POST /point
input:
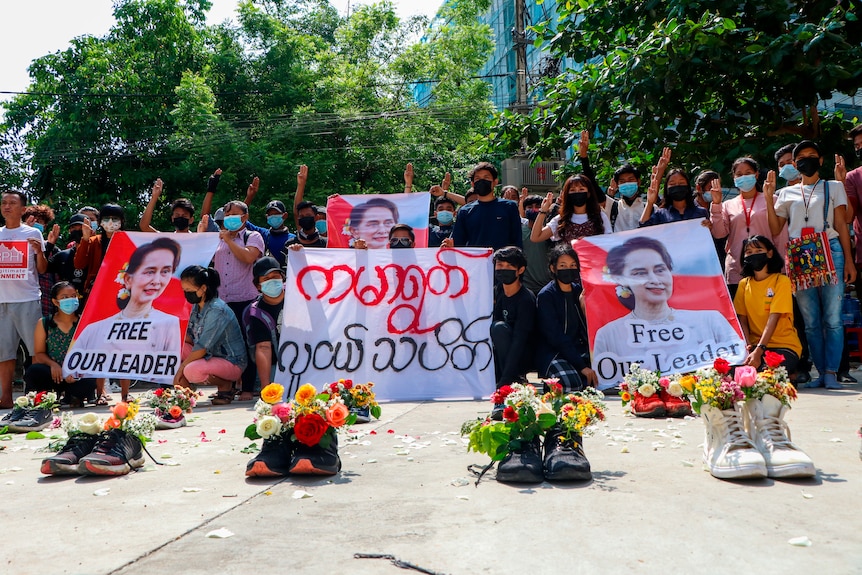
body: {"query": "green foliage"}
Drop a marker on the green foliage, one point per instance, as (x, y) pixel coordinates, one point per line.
(251, 432)
(713, 79)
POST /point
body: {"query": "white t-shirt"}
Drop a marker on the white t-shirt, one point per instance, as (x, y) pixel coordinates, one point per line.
(577, 219)
(628, 216)
(790, 205)
(18, 290)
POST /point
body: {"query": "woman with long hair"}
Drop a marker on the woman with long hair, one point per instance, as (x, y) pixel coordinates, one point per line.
(580, 215)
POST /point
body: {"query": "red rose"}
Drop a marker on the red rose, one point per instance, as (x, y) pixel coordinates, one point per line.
(159, 392)
(309, 429)
(39, 398)
(510, 415)
(496, 398)
(348, 383)
(773, 359)
(505, 390)
(721, 366)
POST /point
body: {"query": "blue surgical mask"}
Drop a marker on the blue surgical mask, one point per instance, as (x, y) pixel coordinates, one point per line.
(789, 172)
(321, 227)
(707, 197)
(38, 226)
(69, 305)
(745, 183)
(628, 189)
(445, 218)
(275, 221)
(94, 225)
(232, 223)
(272, 288)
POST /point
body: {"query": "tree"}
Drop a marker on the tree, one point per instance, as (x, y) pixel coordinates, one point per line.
(712, 79)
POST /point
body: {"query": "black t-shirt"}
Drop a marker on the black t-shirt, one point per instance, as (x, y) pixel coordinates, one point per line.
(258, 332)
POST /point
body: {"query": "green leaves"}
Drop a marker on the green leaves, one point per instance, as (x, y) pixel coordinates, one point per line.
(251, 432)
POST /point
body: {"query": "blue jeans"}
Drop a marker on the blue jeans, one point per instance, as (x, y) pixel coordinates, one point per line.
(821, 309)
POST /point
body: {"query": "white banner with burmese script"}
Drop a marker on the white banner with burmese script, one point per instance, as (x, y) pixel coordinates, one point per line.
(134, 322)
(656, 296)
(415, 322)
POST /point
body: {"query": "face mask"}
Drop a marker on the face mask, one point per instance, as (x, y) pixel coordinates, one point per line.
(756, 261)
(445, 218)
(396, 243)
(745, 183)
(788, 172)
(678, 193)
(76, 236)
(569, 276)
(579, 199)
(306, 222)
(531, 214)
(628, 189)
(321, 226)
(275, 221)
(483, 187)
(192, 297)
(859, 154)
(181, 223)
(232, 223)
(110, 225)
(506, 277)
(68, 305)
(272, 288)
(38, 226)
(707, 197)
(94, 226)
(808, 166)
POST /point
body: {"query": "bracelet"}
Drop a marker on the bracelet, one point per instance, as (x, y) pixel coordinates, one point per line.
(541, 212)
(446, 194)
(761, 346)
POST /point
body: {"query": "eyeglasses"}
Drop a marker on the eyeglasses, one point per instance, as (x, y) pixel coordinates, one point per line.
(399, 243)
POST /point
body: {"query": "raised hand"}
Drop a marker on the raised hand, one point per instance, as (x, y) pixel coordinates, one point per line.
(54, 234)
(302, 176)
(840, 168)
(654, 182)
(715, 191)
(613, 188)
(524, 193)
(584, 144)
(157, 188)
(447, 181)
(86, 229)
(408, 176)
(204, 223)
(547, 202)
(768, 186)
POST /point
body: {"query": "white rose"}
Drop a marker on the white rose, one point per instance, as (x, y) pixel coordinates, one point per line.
(675, 389)
(646, 390)
(51, 396)
(544, 408)
(268, 425)
(23, 401)
(89, 423)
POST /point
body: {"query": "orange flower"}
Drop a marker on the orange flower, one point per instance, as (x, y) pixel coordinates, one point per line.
(336, 414)
(112, 423)
(120, 410)
(626, 396)
(305, 394)
(176, 411)
(272, 393)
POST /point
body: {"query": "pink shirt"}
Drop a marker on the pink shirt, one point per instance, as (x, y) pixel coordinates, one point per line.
(853, 187)
(729, 220)
(236, 277)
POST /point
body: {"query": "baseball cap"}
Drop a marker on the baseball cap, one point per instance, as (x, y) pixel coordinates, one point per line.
(275, 205)
(264, 266)
(76, 219)
(219, 215)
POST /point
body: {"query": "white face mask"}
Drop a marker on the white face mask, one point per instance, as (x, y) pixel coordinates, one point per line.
(110, 225)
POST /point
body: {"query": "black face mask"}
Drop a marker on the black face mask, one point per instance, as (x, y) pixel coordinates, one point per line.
(483, 187)
(181, 223)
(568, 276)
(859, 154)
(506, 277)
(756, 261)
(531, 214)
(678, 193)
(579, 199)
(76, 236)
(808, 166)
(306, 222)
(192, 297)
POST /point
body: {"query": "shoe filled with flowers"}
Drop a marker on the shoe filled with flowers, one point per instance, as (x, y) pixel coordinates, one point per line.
(577, 414)
(649, 394)
(299, 435)
(32, 411)
(170, 404)
(358, 398)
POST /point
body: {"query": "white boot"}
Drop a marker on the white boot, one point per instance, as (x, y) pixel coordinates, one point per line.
(728, 452)
(767, 428)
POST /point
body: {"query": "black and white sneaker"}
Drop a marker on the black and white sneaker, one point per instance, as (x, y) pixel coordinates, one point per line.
(67, 460)
(13, 416)
(34, 419)
(273, 459)
(116, 453)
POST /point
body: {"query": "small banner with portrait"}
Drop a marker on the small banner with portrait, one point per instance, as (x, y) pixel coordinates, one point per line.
(370, 217)
(656, 296)
(415, 322)
(135, 319)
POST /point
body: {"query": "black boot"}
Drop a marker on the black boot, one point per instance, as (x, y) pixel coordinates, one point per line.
(564, 458)
(522, 466)
(273, 459)
(316, 460)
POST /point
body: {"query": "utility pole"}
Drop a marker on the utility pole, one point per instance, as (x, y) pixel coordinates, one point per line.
(519, 39)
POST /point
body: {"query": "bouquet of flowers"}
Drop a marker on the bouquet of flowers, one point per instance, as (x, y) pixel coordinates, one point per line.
(171, 404)
(712, 386)
(128, 417)
(310, 418)
(357, 397)
(577, 412)
(648, 383)
(526, 416)
(38, 400)
(771, 381)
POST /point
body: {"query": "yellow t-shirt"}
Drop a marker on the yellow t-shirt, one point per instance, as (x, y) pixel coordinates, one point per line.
(757, 299)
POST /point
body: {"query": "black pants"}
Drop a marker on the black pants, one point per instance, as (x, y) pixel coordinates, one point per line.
(501, 337)
(38, 378)
(250, 374)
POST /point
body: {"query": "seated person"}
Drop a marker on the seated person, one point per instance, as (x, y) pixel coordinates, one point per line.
(262, 318)
(536, 277)
(401, 236)
(563, 350)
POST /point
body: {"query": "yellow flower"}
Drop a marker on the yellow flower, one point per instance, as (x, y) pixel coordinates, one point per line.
(687, 383)
(305, 394)
(272, 393)
(133, 410)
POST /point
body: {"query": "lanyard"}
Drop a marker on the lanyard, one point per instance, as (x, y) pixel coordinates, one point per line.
(747, 213)
(807, 202)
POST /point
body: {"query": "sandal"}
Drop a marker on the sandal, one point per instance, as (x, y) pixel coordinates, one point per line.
(223, 398)
(102, 400)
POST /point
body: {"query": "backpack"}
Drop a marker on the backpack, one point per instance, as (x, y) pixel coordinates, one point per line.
(253, 310)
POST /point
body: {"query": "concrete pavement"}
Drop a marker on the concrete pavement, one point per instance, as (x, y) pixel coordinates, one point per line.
(405, 491)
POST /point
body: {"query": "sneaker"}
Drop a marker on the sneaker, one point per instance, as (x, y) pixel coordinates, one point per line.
(497, 411)
(66, 461)
(845, 377)
(13, 416)
(168, 423)
(728, 452)
(565, 459)
(801, 377)
(274, 458)
(116, 453)
(34, 419)
(675, 406)
(651, 406)
(315, 460)
(766, 426)
(522, 466)
(114, 388)
(363, 414)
